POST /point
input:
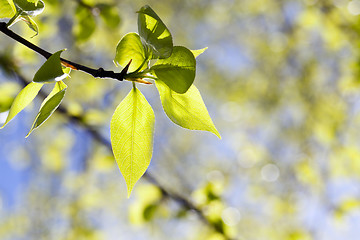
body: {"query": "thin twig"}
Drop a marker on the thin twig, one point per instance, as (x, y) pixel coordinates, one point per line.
(97, 73)
(96, 135)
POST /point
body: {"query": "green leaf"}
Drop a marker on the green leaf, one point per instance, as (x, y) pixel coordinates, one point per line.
(51, 70)
(49, 105)
(156, 36)
(132, 129)
(7, 9)
(177, 71)
(85, 24)
(130, 47)
(186, 110)
(23, 99)
(29, 7)
(198, 52)
(109, 15)
(31, 24)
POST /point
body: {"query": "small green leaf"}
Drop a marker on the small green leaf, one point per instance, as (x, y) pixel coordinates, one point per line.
(186, 110)
(51, 70)
(29, 7)
(130, 47)
(132, 129)
(85, 25)
(198, 52)
(31, 24)
(177, 71)
(7, 9)
(23, 99)
(109, 15)
(156, 36)
(49, 105)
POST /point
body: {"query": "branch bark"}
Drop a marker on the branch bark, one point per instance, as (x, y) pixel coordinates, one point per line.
(97, 73)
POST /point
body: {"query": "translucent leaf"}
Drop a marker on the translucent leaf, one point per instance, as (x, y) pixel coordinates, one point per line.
(23, 99)
(31, 24)
(130, 48)
(51, 70)
(156, 36)
(49, 105)
(8, 91)
(132, 129)
(29, 7)
(177, 71)
(198, 52)
(7, 9)
(186, 110)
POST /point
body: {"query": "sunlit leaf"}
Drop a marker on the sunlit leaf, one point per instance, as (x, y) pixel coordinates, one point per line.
(177, 71)
(31, 24)
(29, 7)
(51, 70)
(198, 52)
(49, 105)
(8, 91)
(186, 110)
(132, 128)
(156, 36)
(6, 9)
(130, 48)
(23, 99)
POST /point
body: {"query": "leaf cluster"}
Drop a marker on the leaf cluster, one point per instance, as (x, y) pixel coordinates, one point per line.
(132, 125)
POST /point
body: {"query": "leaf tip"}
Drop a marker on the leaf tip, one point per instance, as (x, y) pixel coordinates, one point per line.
(28, 134)
(218, 135)
(129, 193)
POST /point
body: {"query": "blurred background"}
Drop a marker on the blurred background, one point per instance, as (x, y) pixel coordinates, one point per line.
(281, 82)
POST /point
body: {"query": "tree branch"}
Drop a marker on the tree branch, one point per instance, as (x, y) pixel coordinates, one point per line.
(97, 73)
(79, 120)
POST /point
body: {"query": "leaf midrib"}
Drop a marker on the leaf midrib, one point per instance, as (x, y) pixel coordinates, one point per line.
(133, 123)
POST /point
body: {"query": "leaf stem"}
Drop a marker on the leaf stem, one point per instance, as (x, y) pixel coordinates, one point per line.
(14, 18)
(97, 73)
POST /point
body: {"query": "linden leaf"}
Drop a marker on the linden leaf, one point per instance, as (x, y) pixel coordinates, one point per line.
(23, 99)
(156, 36)
(132, 130)
(130, 48)
(49, 105)
(186, 110)
(177, 71)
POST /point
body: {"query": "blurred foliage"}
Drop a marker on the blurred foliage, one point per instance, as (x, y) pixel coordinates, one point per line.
(281, 81)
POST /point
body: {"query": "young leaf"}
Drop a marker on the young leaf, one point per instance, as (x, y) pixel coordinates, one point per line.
(198, 52)
(31, 24)
(51, 70)
(49, 105)
(156, 35)
(177, 71)
(29, 7)
(132, 129)
(6, 10)
(130, 48)
(23, 99)
(186, 110)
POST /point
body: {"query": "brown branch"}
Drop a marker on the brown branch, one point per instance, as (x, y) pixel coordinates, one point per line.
(96, 135)
(97, 73)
